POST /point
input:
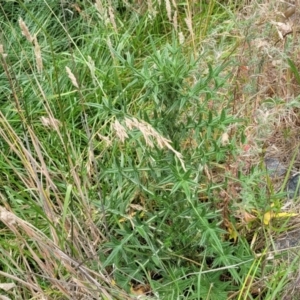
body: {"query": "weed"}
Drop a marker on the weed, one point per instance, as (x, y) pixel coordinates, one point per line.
(124, 153)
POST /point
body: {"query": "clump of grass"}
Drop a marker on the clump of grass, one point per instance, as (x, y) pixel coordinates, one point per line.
(121, 155)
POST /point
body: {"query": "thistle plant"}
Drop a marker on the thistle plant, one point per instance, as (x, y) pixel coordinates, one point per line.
(118, 139)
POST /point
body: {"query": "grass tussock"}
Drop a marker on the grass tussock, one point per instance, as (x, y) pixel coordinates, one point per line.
(133, 141)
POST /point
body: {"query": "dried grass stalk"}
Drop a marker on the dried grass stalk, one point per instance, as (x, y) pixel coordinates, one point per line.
(169, 10)
(175, 22)
(55, 256)
(51, 122)
(112, 16)
(25, 30)
(99, 7)
(2, 51)
(120, 131)
(151, 10)
(149, 133)
(181, 38)
(38, 55)
(72, 77)
(188, 22)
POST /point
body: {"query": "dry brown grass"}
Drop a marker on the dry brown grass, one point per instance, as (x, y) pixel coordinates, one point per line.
(52, 257)
(269, 39)
(267, 94)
